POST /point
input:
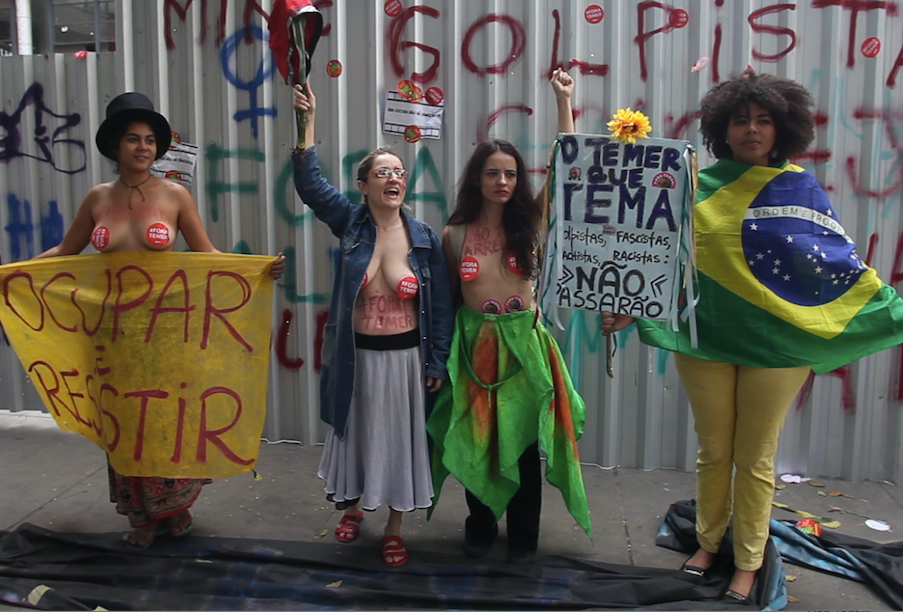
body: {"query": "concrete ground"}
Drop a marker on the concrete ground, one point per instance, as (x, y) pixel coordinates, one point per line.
(58, 481)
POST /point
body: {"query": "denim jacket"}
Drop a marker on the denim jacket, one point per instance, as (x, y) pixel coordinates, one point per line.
(356, 231)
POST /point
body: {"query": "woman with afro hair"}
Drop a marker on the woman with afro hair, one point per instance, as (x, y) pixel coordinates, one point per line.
(773, 261)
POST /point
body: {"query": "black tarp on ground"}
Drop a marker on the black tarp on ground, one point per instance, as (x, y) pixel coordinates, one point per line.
(88, 570)
(878, 565)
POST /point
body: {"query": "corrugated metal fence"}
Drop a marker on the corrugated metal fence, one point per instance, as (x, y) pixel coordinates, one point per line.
(208, 69)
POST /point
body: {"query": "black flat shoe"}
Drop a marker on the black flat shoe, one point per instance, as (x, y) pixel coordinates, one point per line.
(693, 570)
(734, 596)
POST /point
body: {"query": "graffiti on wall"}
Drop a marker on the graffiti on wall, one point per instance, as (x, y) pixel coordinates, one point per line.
(21, 230)
(51, 140)
(410, 54)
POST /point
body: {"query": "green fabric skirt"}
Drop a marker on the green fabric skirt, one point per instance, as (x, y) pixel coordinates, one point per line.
(509, 388)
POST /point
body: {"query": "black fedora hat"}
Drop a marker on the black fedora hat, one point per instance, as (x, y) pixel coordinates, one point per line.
(124, 109)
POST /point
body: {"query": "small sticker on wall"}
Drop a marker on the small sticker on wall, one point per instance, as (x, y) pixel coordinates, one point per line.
(334, 68)
(679, 18)
(594, 13)
(408, 89)
(434, 96)
(392, 8)
(412, 133)
(871, 46)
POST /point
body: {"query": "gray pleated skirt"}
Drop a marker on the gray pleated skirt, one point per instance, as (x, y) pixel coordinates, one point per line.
(383, 458)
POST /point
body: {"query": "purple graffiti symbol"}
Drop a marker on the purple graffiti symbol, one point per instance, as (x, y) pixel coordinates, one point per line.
(229, 55)
(11, 142)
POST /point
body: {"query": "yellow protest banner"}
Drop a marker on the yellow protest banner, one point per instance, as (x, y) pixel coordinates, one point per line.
(159, 358)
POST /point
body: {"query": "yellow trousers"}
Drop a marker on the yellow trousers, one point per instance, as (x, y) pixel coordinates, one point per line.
(739, 412)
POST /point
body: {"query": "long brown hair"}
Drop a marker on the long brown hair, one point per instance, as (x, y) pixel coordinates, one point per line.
(522, 213)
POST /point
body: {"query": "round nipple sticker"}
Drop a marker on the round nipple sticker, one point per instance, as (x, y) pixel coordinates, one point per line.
(158, 235)
(470, 267)
(513, 265)
(100, 238)
(366, 279)
(407, 288)
(492, 307)
(515, 303)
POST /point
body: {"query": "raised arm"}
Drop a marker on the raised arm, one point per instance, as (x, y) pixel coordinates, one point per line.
(327, 202)
(563, 85)
(306, 102)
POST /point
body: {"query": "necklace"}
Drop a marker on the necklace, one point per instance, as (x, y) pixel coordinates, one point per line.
(135, 186)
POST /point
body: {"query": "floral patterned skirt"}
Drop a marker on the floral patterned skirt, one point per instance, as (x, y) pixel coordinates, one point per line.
(149, 498)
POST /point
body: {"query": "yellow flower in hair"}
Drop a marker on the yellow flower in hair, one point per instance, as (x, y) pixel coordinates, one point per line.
(628, 125)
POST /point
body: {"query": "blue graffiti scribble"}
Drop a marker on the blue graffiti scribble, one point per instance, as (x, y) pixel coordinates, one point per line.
(51, 227)
(11, 142)
(264, 70)
(2, 331)
(21, 229)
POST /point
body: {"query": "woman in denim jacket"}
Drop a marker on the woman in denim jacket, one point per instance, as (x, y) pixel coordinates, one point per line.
(385, 343)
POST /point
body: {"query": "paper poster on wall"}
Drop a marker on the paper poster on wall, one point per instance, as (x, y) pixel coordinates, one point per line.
(177, 164)
(617, 217)
(412, 119)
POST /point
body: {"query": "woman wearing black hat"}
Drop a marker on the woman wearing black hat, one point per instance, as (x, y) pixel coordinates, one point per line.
(140, 212)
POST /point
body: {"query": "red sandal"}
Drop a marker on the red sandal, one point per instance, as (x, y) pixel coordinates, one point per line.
(394, 552)
(349, 527)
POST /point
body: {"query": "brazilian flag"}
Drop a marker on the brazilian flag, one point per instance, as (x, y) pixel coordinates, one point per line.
(779, 281)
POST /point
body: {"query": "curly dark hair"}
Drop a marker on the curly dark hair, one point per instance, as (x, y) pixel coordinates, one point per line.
(788, 102)
(522, 213)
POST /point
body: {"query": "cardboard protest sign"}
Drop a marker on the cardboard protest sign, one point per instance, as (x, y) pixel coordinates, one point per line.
(616, 223)
(159, 358)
